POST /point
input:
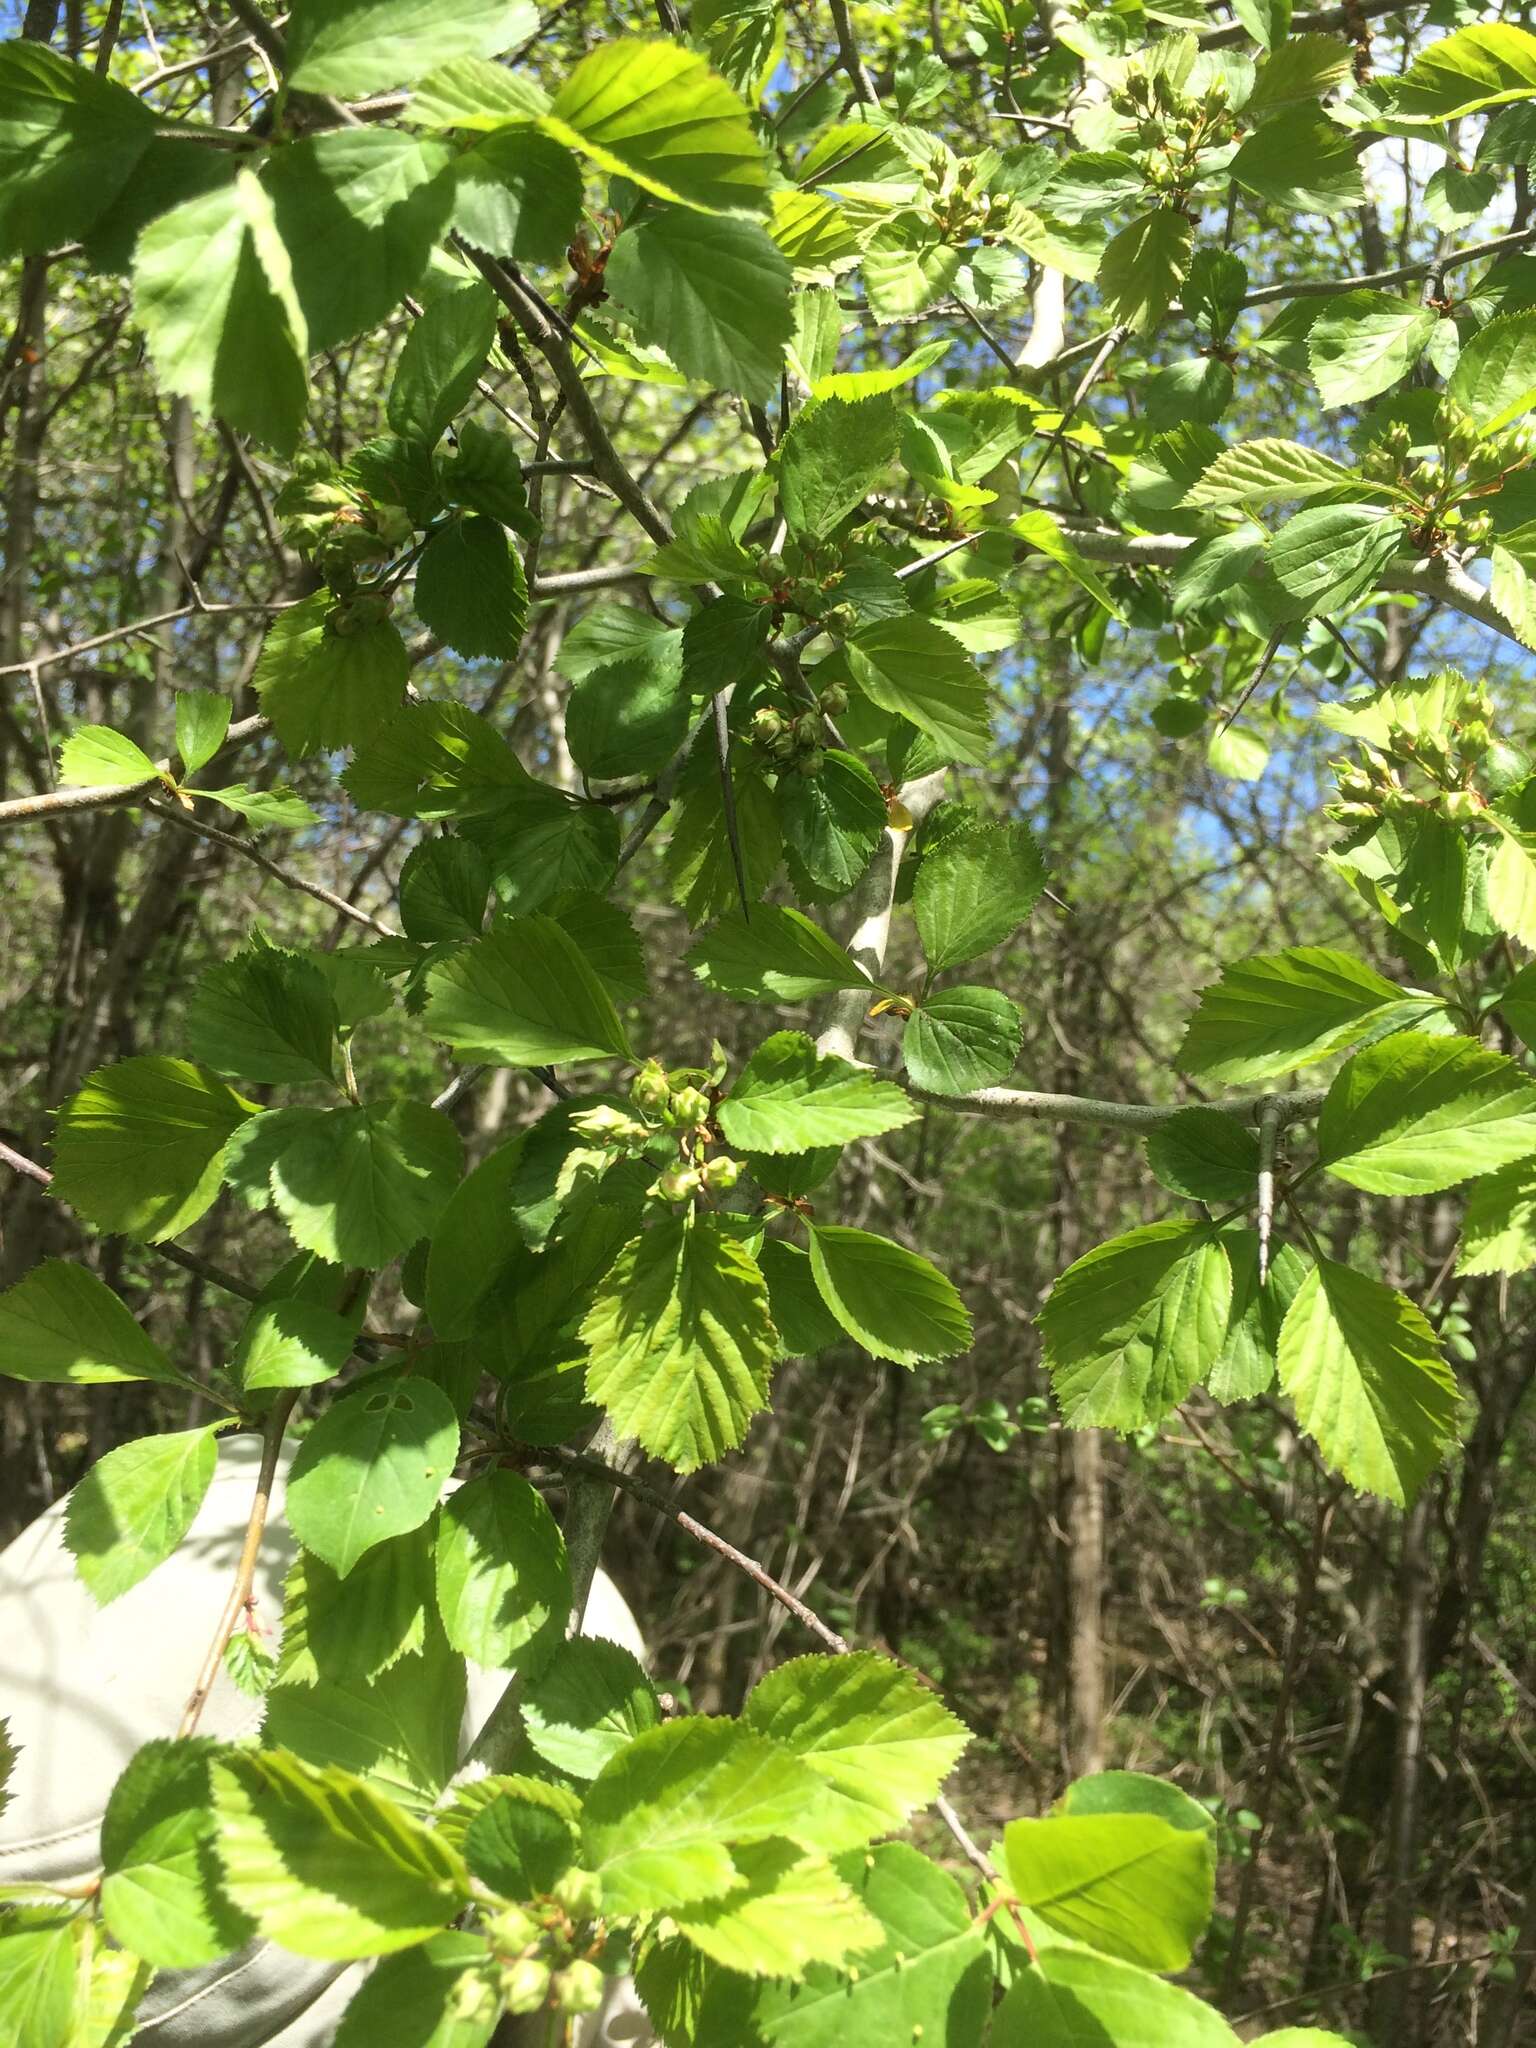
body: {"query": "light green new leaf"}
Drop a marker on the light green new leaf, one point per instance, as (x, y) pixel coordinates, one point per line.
(444, 1994)
(711, 290)
(681, 1344)
(324, 1865)
(356, 47)
(443, 356)
(1495, 374)
(1205, 1155)
(1413, 1114)
(134, 1506)
(1326, 557)
(471, 589)
(1075, 1998)
(787, 1098)
(832, 457)
(1282, 1010)
(1486, 65)
(476, 95)
(660, 1820)
(60, 1323)
(336, 1630)
(326, 680)
(213, 290)
(1305, 67)
(881, 1742)
(39, 1968)
(523, 996)
(1131, 1885)
(359, 210)
(790, 1910)
(1131, 1326)
(96, 757)
(1234, 751)
(975, 890)
(518, 194)
(160, 1890)
(1498, 1228)
(140, 1147)
(202, 720)
(657, 114)
(1300, 161)
(69, 143)
(1144, 266)
(371, 1468)
(779, 953)
(888, 1299)
(1365, 1376)
(962, 1039)
(586, 1705)
(1267, 21)
(1263, 472)
(291, 1344)
(503, 1586)
(264, 1016)
(1513, 589)
(908, 267)
(1364, 342)
(916, 670)
(360, 1186)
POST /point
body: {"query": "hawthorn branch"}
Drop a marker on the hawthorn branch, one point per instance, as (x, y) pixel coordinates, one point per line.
(103, 796)
(1029, 1105)
(289, 880)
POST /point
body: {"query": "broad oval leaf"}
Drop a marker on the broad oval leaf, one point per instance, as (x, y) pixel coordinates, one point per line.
(134, 1506)
(1129, 1884)
(1414, 1114)
(503, 1586)
(161, 1889)
(372, 1467)
(890, 1300)
(790, 1098)
(140, 1147)
(523, 996)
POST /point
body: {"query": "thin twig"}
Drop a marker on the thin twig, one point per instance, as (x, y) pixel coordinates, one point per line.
(289, 880)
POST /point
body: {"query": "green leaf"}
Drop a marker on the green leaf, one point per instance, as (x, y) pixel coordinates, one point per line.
(440, 364)
(475, 1241)
(160, 1890)
(1513, 589)
(484, 472)
(1262, 472)
(890, 1300)
(789, 1911)
(1482, 66)
(832, 457)
(800, 1316)
(518, 194)
(787, 1098)
(1144, 266)
(698, 855)
(523, 996)
(917, 671)
(661, 1819)
(1206, 1156)
(328, 678)
(356, 47)
(1305, 67)
(1267, 21)
(681, 1344)
(291, 1344)
(1300, 161)
(1131, 1885)
(587, 1705)
(1236, 752)
(711, 290)
(443, 889)
(1246, 1366)
(371, 1468)
(1282, 1010)
(779, 953)
(1364, 342)
(96, 757)
(503, 1586)
(1495, 375)
(476, 95)
(519, 1846)
(69, 143)
(975, 890)
(657, 114)
(133, 1507)
(1365, 1376)
(38, 1971)
(1074, 1998)
(443, 1994)
(336, 1630)
(140, 1147)
(325, 1866)
(1498, 1227)
(213, 290)
(359, 210)
(961, 1039)
(881, 1742)
(471, 589)
(626, 718)
(930, 1981)
(60, 1323)
(1131, 1326)
(832, 823)
(908, 268)
(277, 806)
(1326, 557)
(359, 1186)
(202, 720)
(1413, 1114)
(264, 1016)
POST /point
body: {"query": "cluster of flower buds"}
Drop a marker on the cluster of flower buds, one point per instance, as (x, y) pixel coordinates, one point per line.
(546, 1949)
(662, 1102)
(1448, 761)
(1167, 118)
(792, 739)
(803, 579)
(344, 532)
(960, 206)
